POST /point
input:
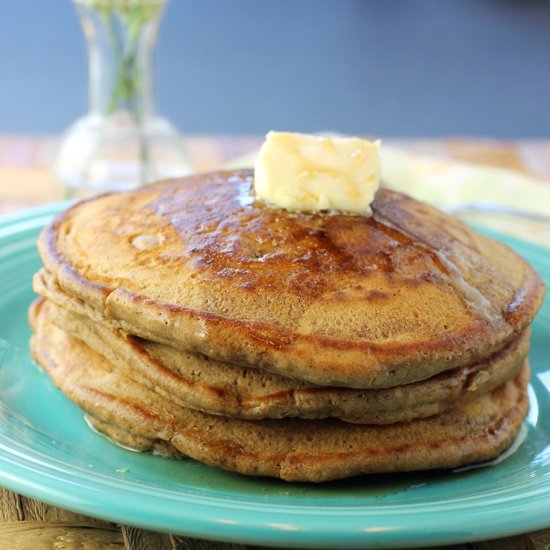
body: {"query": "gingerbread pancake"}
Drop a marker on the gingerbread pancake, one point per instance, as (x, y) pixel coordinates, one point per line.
(198, 382)
(292, 449)
(331, 299)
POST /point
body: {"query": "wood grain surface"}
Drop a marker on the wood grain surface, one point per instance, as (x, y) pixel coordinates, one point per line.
(27, 524)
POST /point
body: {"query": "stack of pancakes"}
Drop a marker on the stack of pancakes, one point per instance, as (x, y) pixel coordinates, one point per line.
(188, 318)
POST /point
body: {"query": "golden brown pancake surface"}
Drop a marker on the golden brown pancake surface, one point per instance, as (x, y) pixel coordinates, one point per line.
(331, 299)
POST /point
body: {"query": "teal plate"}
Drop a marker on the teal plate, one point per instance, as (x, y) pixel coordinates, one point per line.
(47, 452)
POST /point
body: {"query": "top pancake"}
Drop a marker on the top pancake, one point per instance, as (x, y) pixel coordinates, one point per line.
(333, 299)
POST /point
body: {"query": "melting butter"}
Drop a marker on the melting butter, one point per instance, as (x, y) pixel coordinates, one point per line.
(309, 172)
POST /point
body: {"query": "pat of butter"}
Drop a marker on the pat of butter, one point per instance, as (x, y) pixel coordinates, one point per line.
(307, 172)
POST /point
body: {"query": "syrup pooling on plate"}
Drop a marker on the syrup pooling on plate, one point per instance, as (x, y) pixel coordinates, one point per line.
(90, 425)
(512, 449)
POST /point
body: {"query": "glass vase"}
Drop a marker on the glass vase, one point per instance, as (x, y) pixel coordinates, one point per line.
(121, 143)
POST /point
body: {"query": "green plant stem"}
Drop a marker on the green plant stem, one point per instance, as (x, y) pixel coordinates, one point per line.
(128, 80)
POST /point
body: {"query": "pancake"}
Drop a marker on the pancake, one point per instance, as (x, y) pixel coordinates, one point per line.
(292, 449)
(331, 299)
(197, 382)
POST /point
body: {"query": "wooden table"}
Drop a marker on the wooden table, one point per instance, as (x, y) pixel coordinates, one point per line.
(24, 181)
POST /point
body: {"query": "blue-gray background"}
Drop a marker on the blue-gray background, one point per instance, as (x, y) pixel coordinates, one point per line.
(384, 67)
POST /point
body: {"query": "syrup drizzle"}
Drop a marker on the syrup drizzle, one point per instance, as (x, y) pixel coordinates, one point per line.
(230, 235)
(475, 300)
